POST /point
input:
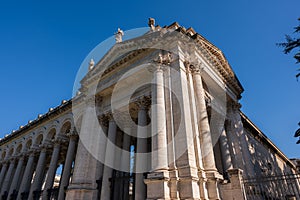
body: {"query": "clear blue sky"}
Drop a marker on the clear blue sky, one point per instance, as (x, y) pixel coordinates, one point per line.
(42, 45)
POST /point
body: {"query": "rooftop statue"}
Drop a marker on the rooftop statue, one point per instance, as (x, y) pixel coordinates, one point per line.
(119, 35)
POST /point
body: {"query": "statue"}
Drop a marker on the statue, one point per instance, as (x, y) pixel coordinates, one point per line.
(119, 35)
(91, 64)
(151, 23)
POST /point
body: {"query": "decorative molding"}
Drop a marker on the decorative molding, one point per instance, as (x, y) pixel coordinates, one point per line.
(164, 58)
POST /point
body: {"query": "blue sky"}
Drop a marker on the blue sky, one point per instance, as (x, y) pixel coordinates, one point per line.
(42, 45)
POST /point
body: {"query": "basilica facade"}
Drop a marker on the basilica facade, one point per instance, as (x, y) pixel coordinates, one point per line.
(157, 117)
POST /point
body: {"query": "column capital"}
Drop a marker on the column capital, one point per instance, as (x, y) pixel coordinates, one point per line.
(163, 58)
(30, 152)
(196, 68)
(72, 135)
(60, 139)
(4, 162)
(33, 150)
(20, 156)
(103, 119)
(44, 147)
(143, 102)
(109, 116)
(161, 62)
(12, 159)
(193, 67)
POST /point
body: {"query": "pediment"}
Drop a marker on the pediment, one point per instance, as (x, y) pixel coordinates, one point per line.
(159, 39)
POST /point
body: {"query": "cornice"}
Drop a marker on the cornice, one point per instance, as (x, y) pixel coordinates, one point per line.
(64, 107)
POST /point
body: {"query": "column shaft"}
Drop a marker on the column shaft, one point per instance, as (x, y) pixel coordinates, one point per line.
(197, 142)
(7, 180)
(67, 168)
(157, 180)
(205, 136)
(159, 135)
(39, 174)
(16, 178)
(109, 159)
(27, 176)
(207, 148)
(126, 162)
(226, 157)
(141, 161)
(51, 170)
(3, 172)
(241, 141)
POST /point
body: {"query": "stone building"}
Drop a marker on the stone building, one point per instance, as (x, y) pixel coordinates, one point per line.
(158, 117)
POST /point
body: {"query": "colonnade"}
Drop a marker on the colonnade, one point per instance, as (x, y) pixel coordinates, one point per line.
(30, 175)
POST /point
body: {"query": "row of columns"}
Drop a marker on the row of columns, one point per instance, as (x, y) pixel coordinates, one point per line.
(141, 146)
(104, 172)
(16, 178)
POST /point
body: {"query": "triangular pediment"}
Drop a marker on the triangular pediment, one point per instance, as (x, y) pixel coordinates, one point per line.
(159, 39)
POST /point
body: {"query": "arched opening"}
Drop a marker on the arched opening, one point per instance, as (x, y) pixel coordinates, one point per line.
(28, 145)
(39, 139)
(11, 151)
(66, 128)
(19, 149)
(51, 134)
(3, 155)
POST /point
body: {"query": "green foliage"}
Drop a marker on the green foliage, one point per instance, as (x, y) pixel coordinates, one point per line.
(293, 44)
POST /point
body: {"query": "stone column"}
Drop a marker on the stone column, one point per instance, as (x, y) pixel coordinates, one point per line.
(8, 176)
(39, 173)
(126, 161)
(27, 176)
(197, 143)
(109, 159)
(102, 151)
(68, 166)
(157, 180)
(141, 161)
(238, 139)
(52, 168)
(233, 143)
(3, 172)
(211, 172)
(16, 178)
(158, 117)
(225, 151)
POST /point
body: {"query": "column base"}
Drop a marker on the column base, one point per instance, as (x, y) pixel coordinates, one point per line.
(213, 178)
(157, 185)
(202, 185)
(173, 184)
(189, 188)
(235, 188)
(78, 192)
